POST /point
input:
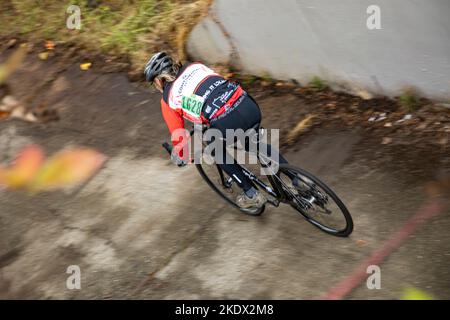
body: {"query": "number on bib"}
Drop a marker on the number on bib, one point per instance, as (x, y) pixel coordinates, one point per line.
(192, 105)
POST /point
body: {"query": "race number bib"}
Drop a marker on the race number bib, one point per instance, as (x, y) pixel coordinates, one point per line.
(192, 105)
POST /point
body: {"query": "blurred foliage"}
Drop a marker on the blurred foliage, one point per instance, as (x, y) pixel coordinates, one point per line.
(31, 171)
(318, 84)
(133, 28)
(410, 100)
(412, 293)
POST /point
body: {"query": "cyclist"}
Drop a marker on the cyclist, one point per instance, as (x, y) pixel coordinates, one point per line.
(223, 105)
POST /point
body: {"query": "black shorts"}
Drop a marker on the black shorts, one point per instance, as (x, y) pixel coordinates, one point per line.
(245, 116)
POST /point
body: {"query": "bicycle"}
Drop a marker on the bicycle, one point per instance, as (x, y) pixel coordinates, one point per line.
(311, 199)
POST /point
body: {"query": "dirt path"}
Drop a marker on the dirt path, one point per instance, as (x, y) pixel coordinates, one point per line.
(145, 229)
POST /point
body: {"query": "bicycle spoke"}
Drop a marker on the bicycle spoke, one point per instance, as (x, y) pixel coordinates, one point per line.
(316, 203)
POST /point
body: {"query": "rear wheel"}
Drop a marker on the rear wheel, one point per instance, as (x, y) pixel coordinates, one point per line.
(315, 201)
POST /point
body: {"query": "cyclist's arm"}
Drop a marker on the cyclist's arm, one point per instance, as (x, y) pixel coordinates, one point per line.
(174, 121)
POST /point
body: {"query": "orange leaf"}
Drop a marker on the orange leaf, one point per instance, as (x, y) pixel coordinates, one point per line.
(24, 168)
(4, 114)
(67, 168)
(49, 45)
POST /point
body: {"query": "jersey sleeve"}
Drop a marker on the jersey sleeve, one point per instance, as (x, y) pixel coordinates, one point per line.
(173, 119)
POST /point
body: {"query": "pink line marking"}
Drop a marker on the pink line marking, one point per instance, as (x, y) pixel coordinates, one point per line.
(426, 212)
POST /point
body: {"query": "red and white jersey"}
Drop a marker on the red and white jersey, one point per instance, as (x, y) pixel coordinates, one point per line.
(197, 94)
(186, 85)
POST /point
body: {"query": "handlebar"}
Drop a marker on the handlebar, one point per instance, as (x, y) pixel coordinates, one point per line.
(168, 147)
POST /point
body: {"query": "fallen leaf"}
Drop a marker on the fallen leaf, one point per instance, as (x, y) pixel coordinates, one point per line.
(43, 55)
(364, 94)
(388, 124)
(4, 115)
(386, 140)
(300, 127)
(407, 117)
(361, 243)
(85, 66)
(12, 63)
(11, 43)
(24, 168)
(8, 103)
(67, 168)
(22, 113)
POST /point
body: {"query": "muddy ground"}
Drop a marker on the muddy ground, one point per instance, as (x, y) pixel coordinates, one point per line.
(145, 229)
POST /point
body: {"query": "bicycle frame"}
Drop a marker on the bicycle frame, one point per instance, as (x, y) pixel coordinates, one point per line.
(279, 191)
(275, 189)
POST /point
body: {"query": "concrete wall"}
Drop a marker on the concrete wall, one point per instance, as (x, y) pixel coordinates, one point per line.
(299, 39)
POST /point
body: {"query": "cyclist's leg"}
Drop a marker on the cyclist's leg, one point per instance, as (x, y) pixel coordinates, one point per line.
(228, 164)
(244, 116)
(268, 151)
(251, 111)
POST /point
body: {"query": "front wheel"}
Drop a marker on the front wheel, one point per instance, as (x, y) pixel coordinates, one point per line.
(315, 201)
